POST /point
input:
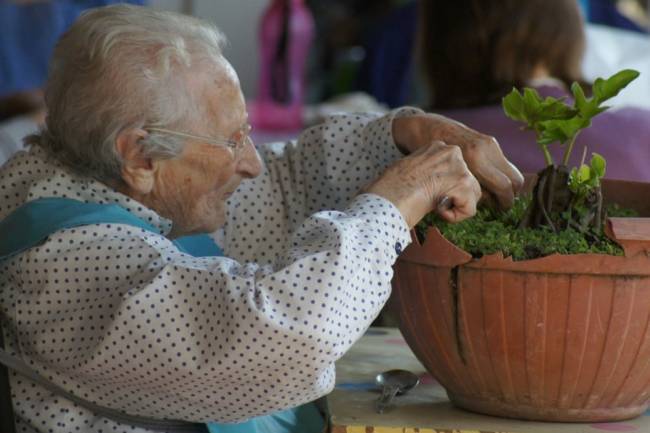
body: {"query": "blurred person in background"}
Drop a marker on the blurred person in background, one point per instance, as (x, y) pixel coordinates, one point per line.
(474, 52)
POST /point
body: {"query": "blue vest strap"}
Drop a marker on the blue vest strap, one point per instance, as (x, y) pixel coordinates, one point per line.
(30, 224)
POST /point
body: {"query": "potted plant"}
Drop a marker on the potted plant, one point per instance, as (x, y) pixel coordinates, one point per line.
(540, 316)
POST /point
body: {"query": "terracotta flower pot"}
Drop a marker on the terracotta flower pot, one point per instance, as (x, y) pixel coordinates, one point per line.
(560, 338)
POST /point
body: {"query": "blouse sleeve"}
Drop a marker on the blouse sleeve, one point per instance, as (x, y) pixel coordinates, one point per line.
(123, 319)
(323, 170)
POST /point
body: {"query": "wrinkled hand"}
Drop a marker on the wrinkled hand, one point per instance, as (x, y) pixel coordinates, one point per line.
(481, 152)
(434, 177)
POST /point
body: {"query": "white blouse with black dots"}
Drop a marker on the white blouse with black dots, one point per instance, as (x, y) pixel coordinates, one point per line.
(120, 317)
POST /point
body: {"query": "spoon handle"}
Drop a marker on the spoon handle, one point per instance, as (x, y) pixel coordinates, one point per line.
(387, 396)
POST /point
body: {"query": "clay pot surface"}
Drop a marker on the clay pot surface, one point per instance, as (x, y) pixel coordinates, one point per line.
(559, 338)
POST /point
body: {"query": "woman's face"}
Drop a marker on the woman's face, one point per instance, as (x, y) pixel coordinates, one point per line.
(192, 188)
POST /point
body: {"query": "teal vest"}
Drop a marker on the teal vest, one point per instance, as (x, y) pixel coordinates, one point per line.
(31, 224)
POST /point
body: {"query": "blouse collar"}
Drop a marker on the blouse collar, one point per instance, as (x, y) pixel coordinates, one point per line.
(58, 181)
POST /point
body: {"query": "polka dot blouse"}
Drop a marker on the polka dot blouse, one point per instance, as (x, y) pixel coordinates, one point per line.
(122, 318)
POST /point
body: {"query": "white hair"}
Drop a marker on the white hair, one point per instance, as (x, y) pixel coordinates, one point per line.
(122, 67)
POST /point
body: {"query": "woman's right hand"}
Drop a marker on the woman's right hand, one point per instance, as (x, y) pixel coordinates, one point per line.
(435, 177)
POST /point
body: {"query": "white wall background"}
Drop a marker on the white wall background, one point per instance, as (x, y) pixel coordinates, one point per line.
(609, 50)
(238, 19)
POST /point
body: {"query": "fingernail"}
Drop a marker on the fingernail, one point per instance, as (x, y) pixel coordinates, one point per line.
(444, 203)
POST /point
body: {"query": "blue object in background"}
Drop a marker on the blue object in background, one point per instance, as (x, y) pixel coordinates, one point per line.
(584, 5)
(386, 71)
(28, 33)
(605, 12)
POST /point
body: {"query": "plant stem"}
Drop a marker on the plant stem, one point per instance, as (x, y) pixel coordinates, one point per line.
(569, 149)
(547, 155)
(584, 156)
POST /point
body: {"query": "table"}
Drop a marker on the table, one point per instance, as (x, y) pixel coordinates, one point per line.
(426, 409)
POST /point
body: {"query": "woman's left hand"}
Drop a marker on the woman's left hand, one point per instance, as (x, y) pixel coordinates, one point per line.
(481, 153)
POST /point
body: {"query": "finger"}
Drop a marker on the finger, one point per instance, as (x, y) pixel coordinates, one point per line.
(495, 181)
(511, 171)
(463, 207)
(488, 199)
(504, 165)
(445, 203)
(460, 203)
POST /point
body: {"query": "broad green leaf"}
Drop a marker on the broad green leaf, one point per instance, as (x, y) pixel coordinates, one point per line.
(572, 126)
(584, 173)
(607, 89)
(561, 130)
(598, 165)
(532, 102)
(552, 108)
(552, 134)
(588, 108)
(579, 97)
(513, 105)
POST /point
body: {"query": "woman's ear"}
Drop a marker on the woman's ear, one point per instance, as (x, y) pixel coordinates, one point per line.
(137, 169)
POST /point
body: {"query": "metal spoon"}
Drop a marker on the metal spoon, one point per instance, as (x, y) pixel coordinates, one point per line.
(394, 382)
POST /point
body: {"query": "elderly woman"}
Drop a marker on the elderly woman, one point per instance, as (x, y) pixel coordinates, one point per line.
(116, 320)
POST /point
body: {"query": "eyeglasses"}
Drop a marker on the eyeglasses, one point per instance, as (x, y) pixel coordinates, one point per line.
(236, 143)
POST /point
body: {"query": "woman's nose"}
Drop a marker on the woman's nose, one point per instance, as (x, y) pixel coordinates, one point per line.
(250, 163)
